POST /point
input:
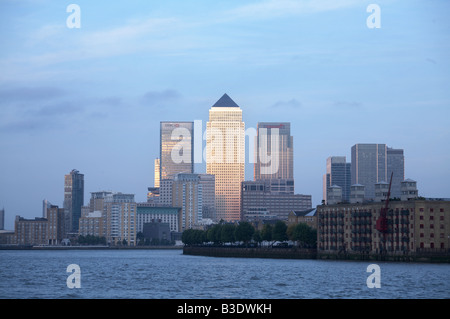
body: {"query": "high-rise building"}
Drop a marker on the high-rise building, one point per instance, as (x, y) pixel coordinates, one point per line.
(225, 156)
(120, 210)
(157, 173)
(395, 165)
(194, 193)
(374, 163)
(73, 199)
(176, 149)
(338, 173)
(274, 151)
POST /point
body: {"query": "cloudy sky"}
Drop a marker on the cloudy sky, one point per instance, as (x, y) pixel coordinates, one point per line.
(91, 98)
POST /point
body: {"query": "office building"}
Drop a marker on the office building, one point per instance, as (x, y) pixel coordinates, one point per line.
(225, 156)
(195, 194)
(73, 199)
(176, 149)
(148, 213)
(374, 163)
(271, 199)
(338, 173)
(157, 173)
(274, 151)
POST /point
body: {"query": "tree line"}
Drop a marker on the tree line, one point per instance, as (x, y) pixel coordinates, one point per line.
(244, 232)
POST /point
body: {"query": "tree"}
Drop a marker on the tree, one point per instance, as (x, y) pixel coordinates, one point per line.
(244, 232)
(227, 233)
(266, 232)
(305, 235)
(279, 231)
(214, 234)
(257, 236)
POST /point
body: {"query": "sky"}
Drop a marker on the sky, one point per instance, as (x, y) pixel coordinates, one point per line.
(91, 98)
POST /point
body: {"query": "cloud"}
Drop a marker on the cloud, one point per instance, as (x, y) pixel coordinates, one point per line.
(157, 97)
(30, 93)
(287, 104)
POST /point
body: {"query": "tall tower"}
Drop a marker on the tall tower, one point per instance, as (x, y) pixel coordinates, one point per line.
(73, 199)
(374, 163)
(157, 173)
(176, 149)
(225, 156)
(274, 151)
(338, 173)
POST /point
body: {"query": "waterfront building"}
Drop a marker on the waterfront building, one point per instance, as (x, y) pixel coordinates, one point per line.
(148, 213)
(414, 226)
(334, 195)
(338, 173)
(176, 149)
(225, 156)
(409, 189)
(55, 225)
(120, 211)
(304, 216)
(73, 199)
(2, 219)
(271, 199)
(274, 151)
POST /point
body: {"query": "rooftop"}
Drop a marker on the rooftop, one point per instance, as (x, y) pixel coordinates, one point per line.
(225, 101)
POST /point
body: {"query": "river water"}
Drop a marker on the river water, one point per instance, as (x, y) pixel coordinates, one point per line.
(168, 274)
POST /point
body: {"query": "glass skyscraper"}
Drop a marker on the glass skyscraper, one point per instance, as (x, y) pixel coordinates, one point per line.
(338, 173)
(73, 199)
(176, 149)
(274, 151)
(374, 163)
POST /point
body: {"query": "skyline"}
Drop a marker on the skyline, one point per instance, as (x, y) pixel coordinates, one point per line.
(92, 99)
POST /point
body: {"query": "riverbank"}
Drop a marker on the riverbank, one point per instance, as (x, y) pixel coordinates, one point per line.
(297, 253)
(84, 247)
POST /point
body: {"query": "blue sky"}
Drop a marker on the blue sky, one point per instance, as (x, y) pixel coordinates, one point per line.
(92, 98)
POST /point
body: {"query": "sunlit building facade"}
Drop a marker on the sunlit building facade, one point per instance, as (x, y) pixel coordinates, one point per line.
(225, 156)
(176, 149)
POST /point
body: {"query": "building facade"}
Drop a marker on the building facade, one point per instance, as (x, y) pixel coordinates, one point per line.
(73, 199)
(338, 173)
(225, 156)
(374, 163)
(271, 199)
(120, 211)
(176, 149)
(413, 226)
(274, 151)
(148, 214)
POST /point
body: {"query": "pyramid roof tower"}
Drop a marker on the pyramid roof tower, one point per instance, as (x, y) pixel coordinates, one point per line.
(225, 101)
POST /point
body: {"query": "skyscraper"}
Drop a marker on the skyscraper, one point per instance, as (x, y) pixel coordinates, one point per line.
(73, 199)
(395, 165)
(225, 156)
(157, 173)
(374, 163)
(274, 151)
(176, 149)
(338, 173)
